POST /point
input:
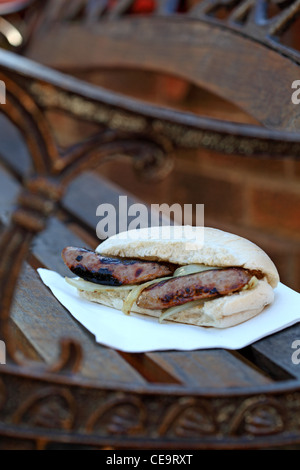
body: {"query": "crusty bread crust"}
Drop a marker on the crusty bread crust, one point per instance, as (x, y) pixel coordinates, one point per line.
(189, 245)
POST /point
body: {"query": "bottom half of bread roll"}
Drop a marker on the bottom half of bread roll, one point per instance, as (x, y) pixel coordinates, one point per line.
(221, 312)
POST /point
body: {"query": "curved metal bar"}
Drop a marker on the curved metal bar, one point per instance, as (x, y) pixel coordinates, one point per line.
(55, 90)
(21, 109)
(215, 57)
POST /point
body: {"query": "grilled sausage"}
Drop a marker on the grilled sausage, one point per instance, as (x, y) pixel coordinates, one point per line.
(204, 285)
(93, 267)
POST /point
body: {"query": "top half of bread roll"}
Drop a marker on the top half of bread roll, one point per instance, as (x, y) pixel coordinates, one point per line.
(191, 245)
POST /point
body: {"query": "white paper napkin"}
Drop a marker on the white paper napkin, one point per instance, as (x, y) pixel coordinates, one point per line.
(136, 333)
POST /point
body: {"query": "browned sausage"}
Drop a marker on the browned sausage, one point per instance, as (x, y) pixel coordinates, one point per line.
(204, 285)
(93, 267)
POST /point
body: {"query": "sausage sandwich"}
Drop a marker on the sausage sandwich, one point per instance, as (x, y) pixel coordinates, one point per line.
(222, 281)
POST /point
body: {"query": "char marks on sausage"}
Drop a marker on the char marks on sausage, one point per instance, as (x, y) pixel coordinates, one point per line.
(183, 289)
(98, 269)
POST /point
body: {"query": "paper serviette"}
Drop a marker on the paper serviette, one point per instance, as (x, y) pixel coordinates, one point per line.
(138, 333)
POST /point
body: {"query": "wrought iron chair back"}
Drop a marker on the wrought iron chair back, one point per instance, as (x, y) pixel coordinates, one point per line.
(149, 135)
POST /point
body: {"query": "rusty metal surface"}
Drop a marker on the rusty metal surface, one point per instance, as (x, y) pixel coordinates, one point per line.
(265, 21)
(46, 408)
(220, 42)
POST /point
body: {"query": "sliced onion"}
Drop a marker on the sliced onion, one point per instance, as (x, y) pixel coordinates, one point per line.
(192, 269)
(136, 292)
(179, 308)
(92, 287)
(251, 284)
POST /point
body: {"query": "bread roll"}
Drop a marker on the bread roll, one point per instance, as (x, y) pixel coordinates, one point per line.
(196, 245)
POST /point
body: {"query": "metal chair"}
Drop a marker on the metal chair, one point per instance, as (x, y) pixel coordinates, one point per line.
(55, 404)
